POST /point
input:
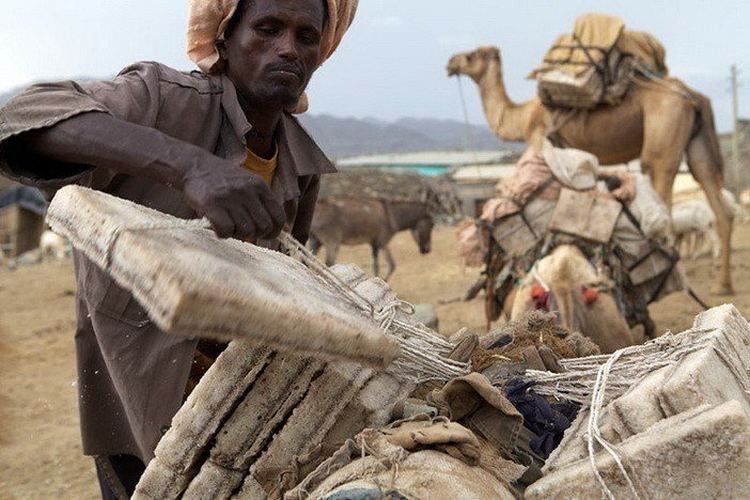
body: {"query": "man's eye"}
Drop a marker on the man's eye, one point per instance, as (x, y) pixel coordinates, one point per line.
(309, 38)
(268, 30)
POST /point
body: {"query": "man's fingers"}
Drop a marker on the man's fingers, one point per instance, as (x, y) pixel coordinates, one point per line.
(261, 217)
(276, 212)
(221, 221)
(245, 227)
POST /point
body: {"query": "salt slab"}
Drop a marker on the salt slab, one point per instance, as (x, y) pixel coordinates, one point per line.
(192, 283)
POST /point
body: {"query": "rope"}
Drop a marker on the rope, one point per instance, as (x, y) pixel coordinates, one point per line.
(645, 78)
(469, 139)
(580, 375)
(424, 355)
(594, 432)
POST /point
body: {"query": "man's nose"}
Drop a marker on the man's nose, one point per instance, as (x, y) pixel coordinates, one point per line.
(288, 46)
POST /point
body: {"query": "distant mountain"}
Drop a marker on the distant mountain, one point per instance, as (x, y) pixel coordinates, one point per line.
(341, 137)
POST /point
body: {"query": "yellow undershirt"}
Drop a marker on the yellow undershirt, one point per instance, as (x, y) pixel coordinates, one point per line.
(261, 166)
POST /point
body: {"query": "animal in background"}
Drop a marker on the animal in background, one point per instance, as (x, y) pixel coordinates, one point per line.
(355, 221)
(658, 123)
(693, 224)
(52, 245)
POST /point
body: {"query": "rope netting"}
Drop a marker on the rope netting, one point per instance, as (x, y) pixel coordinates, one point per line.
(424, 354)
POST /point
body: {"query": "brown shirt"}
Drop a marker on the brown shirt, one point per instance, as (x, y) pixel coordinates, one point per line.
(131, 376)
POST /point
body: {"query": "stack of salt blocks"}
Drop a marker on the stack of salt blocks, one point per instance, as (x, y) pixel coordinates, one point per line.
(683, 431)
(250, 426)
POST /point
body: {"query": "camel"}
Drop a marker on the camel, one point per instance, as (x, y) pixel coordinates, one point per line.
(565, 271)
(657, 124)
(355, 221)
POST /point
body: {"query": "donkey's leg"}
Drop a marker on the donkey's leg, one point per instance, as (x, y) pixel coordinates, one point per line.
(314, 244)
(332, 251)
(375, 264)
(391, 262)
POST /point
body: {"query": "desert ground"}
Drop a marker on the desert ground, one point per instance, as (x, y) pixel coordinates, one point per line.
(40, 451)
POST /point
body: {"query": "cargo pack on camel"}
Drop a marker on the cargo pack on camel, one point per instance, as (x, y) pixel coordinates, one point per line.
(595, 64)
(618, 229)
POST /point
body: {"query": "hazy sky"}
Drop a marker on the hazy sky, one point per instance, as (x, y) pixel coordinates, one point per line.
(391, 63)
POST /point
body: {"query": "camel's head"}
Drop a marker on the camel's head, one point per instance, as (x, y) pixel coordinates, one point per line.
(473, 64)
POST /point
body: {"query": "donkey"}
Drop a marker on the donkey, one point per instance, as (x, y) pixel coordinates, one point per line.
(353, 221)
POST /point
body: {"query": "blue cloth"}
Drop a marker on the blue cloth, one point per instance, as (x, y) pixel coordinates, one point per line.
(547, 421)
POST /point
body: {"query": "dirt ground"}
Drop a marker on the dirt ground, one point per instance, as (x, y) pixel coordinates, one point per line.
(40, 451)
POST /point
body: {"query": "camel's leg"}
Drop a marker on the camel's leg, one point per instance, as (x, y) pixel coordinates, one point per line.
(390, 261)
(678, 240)
(697, 244)
(332, 251)
(375, 263)
(710, 177)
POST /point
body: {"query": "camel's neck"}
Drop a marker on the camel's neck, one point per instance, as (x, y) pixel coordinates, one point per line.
(507, 119)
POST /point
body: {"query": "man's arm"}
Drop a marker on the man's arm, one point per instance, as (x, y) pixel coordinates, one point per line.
(60, 133)
(237, 203)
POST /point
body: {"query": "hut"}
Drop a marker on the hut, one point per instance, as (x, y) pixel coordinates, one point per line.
(474, 173)
(22, 211)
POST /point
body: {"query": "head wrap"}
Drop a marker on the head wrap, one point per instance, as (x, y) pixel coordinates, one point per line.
(208, 19)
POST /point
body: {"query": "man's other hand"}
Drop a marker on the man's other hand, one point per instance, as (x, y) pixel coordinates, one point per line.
(239, 204)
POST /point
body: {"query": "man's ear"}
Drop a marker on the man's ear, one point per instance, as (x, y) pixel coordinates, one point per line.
(221, 64)
(221, 48)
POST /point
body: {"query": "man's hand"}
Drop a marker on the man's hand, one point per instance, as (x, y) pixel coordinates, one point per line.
(239, 204)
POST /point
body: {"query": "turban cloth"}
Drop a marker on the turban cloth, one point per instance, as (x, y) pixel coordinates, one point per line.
(208, 19)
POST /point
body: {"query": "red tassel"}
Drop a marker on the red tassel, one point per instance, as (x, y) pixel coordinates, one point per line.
(590, 295)
(541, 297)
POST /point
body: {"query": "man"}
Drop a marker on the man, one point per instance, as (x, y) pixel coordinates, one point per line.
(217, 143)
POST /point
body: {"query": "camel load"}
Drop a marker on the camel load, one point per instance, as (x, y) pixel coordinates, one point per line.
(594, 64)
(559, 208)
(391, 408)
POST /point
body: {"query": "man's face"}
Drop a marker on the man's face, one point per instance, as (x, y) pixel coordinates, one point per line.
(274, 49)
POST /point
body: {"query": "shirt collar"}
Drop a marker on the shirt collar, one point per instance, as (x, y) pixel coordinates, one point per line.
(297, 150)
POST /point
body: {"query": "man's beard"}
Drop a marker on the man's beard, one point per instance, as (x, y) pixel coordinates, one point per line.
(276, 95)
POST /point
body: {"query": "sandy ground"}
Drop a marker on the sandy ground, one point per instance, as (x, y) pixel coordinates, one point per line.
(40, 452)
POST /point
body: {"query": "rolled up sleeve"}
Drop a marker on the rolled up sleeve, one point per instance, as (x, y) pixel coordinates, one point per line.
(131, 96)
